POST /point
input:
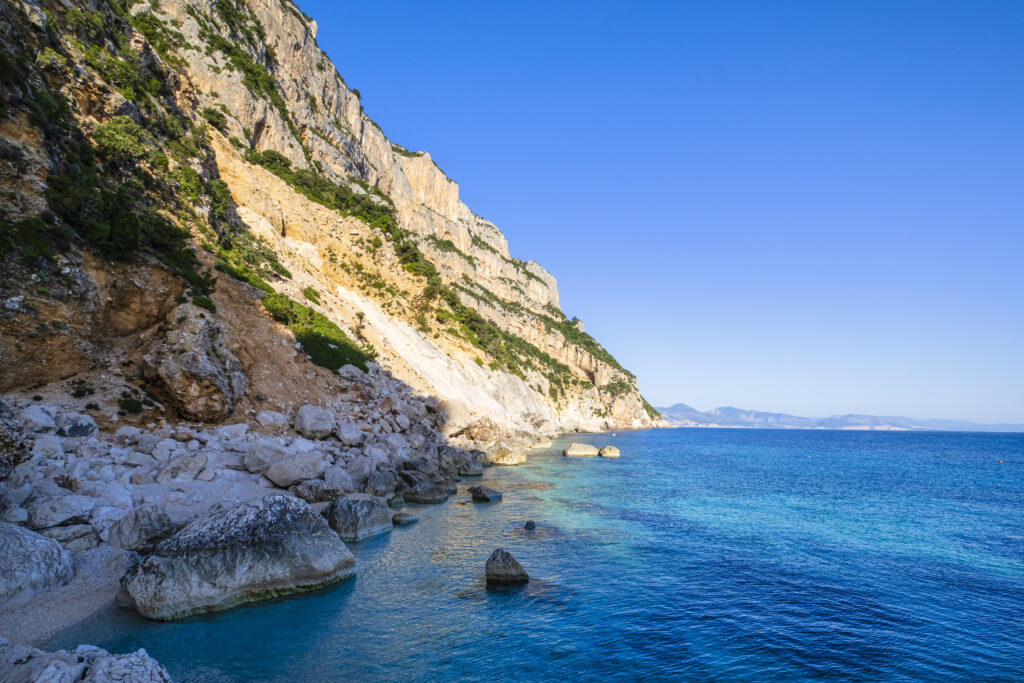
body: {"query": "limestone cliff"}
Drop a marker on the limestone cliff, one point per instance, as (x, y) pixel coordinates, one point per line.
(186, 145)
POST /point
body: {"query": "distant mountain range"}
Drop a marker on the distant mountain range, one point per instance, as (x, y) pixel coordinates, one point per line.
(682, 415)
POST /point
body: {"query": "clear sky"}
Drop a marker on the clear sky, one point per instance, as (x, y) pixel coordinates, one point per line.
(809, 207)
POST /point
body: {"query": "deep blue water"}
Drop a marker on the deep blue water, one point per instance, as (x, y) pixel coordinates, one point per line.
(699, 555)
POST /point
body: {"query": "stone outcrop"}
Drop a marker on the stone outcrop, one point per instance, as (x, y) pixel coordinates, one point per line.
(267, 547)
(141, 528)
(609, 452)
(503, 569)
(483, 494)
(358, 518)
(314, 422)
(24, 664)
(29, 563)
(580, 450)
(506, 457)
(201, 376)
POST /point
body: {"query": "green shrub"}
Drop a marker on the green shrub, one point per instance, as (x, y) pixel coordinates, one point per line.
(35, 238)
(132, 406)
(122, 141)
(204, 302)
(321, 339)
(216, 118)
(311, 294)
(245, 274)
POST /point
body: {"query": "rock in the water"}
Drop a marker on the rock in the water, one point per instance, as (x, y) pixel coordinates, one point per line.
(503, 569)
(482, 494)
(76, 424)
(506, 456)
(609, 452)
(316, 491)
(29, 563)
(141, 528)
(420, 489)
(202, 377)
(530, 525)
(301, 467)
(314, 422)
(471, 468)
(580, 450)
(404, 518)
(24, 664)
(357, 518)
(258, 549)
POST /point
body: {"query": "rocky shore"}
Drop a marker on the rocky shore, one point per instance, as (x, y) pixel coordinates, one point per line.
(174, 520)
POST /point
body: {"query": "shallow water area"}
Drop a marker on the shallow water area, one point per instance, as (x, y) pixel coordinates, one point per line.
(698, 555)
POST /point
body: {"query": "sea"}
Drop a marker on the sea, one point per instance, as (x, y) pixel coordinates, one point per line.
(699, 555)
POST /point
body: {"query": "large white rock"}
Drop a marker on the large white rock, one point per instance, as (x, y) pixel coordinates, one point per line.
(314, 422)
(183, 467)
(258, 549)
(200, 374)
(338, 478)
(24, 664)
(141, 528)
(263, 454)
(39, 419)
(453, 417)
(580, 450)
(47, 511)
(297, 468)
(349, 434)
(29, 563)
(76, 424)
(506, 456)
(609, 452)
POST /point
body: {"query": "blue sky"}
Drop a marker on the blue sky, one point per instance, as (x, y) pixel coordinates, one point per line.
(810, 207)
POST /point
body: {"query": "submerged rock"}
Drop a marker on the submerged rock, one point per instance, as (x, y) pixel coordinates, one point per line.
(503, 569)
(609, 452)
(30, 563)
(530, 525)
(355, 519)
(24, 664)
(404, 518)
(471, 468)
(482, 494)
(506, 457)
(580, 450)
(258, 549)
(420, 488)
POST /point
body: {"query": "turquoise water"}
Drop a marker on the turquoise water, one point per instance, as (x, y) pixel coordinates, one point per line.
(699, 555)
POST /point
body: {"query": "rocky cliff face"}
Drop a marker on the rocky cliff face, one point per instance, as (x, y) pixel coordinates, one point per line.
(209, 150)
